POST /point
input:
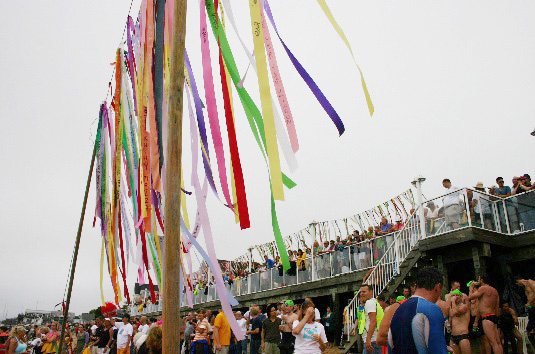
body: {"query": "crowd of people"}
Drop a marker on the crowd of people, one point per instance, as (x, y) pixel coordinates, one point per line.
(332, 256)
(420, 321)
(102, 336)
(281, 328)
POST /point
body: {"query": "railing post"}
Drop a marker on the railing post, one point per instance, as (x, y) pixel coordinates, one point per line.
(271, 277)
(331, 263)
(467, 206)
(313, 225)
(506, 217)
(418, 184)
(250, 270)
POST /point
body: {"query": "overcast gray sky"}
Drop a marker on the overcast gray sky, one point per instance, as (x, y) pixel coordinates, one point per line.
(452, 82)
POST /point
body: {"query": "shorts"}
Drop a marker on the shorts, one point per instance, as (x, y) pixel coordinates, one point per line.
(459, 338)
(453, 214)
(531, 319)
(224, 350)
(125, 350)
(490, 317)
(271, 348)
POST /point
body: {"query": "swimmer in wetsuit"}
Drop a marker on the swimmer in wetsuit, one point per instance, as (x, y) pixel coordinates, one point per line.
(417, 326)
(489, 309)
(460, 320)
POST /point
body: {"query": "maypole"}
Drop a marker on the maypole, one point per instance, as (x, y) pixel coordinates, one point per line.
(171, 267)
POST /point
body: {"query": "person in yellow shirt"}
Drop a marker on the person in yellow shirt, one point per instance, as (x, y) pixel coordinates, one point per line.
(221, 333)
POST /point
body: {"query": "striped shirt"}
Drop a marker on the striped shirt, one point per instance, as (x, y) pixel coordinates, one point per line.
(201, 332)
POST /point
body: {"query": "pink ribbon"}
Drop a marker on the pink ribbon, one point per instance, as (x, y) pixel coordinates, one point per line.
(279, 87)
(211, 106)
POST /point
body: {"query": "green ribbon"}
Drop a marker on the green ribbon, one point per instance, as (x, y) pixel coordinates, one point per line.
(154, 257)
(254, 118)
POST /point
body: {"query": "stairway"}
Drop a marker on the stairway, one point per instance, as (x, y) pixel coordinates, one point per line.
(347, 345)
(389, 273)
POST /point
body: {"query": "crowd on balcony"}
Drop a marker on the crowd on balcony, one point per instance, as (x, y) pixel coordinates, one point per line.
(363, 249)
(329, 254)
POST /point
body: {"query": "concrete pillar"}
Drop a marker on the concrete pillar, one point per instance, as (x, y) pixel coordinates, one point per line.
(338, 311)
(479, 262)
(444, 271)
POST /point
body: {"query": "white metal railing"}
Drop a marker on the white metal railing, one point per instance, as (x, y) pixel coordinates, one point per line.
(346, 259)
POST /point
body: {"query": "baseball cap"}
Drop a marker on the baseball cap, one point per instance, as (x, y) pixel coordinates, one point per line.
(457, 292)
(400, 298)
(526, 176)
(289, 303)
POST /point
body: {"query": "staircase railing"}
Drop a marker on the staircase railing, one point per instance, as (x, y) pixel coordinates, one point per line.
(388, 265)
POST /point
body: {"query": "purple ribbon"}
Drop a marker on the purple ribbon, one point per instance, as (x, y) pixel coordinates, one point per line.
(200, 124)
(324, 102)
(130, 26)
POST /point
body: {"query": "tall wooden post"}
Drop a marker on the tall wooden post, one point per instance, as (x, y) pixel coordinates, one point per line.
(76, 248)
(171, 266)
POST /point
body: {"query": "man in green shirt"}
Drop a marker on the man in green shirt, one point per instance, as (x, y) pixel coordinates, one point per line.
(271, 335)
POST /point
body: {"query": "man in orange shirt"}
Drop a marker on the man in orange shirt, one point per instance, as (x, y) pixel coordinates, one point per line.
(221, 333)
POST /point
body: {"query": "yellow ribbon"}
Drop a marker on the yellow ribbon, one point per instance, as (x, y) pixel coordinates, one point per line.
(338, 29)
(265, 99)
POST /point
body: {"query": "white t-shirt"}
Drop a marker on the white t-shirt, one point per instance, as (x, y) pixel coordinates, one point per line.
(144, 328)
(242, 323)
(369, 306)
(317, 314)
(452, 198)
(123, 334)
(304, 344)
(94, 329)
(432, 214)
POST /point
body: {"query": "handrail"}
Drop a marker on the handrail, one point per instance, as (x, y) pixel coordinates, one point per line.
(392, 258)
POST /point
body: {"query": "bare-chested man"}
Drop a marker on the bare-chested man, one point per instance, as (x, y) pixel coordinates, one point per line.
(477, 331)
(382, 334)
(460, 320)
(489, 309)
(455, 285)
(288, 317)
(529, 289)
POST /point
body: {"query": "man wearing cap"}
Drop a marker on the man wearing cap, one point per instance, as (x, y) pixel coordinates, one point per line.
(288, 317)
(452, 208)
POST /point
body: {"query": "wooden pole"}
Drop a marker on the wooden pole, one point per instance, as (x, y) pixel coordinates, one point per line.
(171, 267)
(76, 247)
